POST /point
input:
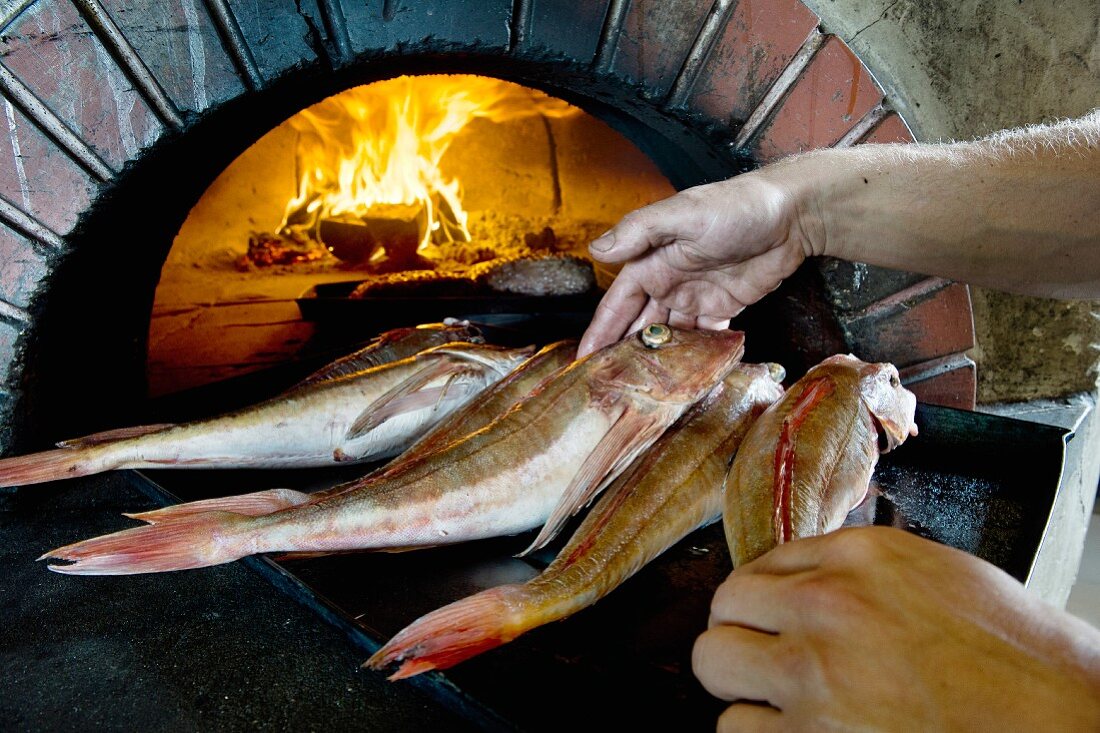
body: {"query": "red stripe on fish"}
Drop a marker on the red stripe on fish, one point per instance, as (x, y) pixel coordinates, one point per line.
(814, 392)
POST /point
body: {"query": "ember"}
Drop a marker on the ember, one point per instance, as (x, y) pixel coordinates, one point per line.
(266, 249)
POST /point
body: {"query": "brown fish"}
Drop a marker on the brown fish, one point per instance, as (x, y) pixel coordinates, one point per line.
(575, 432)
(366, 415)
(667, 493)
(394, 345)
(807, 461)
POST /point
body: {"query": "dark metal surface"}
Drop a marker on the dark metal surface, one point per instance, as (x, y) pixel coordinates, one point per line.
(981, 483)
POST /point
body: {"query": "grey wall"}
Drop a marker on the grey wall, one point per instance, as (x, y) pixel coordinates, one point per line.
(958, 70)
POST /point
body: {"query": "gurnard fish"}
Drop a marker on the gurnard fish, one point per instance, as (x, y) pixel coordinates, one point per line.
(476, 414)
(667, 493)
(394, 345)
(807, 461)
(546, 455)
(366, 415)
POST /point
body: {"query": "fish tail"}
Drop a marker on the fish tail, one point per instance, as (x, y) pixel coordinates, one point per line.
(255, 504)
(191, 542)
(454, 633)
(52, 465)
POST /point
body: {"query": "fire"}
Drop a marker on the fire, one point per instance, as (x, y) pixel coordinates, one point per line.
(372, 154)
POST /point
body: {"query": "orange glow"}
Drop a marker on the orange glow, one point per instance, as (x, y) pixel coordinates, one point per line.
(374, 152)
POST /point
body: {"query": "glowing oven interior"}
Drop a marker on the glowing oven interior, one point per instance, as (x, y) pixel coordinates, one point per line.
(432, 177)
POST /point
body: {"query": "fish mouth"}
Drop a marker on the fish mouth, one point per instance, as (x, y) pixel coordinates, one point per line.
(888, 439)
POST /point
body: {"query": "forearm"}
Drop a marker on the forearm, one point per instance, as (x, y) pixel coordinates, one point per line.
(1019, 211)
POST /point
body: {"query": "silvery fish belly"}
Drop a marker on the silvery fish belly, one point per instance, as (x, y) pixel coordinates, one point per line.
(666, 493)
(808, 460)
(544, 457)
(345, 415)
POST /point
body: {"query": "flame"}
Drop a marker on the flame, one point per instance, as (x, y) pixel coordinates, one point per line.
(375, 150)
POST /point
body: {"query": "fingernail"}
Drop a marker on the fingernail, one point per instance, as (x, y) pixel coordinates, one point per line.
(604, 242)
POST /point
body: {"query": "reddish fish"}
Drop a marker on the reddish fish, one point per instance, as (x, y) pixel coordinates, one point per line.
(395, 345)
(667, 493)
(332, 416)
(808, 460)
(576, 431)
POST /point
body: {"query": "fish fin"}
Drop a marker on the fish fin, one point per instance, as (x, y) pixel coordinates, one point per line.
(451, 634)
(631, 434)
(52, 465)
(109, 436)
(255, 504)
(192, 542)
(412, 394)
(368, 356)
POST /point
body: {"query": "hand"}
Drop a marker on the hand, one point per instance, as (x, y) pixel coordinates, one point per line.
(874, 628)
(698, 258)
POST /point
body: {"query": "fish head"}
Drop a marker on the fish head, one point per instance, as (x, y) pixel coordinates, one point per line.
(891, 405)
(763, 381)
(670, 364)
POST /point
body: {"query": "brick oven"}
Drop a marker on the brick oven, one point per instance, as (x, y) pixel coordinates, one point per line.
(120, 115)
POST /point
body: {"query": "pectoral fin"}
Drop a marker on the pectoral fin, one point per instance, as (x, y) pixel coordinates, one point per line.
(630, 435)
(109, 436)
(412, 394)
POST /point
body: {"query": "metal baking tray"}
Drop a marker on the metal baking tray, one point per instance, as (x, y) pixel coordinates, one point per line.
(982, 483)
(330, 303)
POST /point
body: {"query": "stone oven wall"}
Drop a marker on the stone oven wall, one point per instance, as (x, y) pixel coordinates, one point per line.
(118, 115)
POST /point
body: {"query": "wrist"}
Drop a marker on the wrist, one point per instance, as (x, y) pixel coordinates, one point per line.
(803, 182)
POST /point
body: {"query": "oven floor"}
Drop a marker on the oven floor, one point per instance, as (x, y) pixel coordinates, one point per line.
(217, 649)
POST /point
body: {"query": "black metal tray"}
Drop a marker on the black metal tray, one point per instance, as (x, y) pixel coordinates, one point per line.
(982, 483)
(330, 303)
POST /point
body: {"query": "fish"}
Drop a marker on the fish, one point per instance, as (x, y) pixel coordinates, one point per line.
(367, 415)
(475, 415)
(576, 431)
(394, 345)
(666, 493)
(807, 461)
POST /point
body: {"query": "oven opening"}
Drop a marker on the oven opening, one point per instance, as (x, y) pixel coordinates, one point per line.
(406, 200)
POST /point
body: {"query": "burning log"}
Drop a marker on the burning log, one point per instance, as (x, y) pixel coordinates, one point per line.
(386, 238)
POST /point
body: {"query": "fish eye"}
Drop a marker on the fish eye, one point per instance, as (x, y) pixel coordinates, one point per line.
(656, 335)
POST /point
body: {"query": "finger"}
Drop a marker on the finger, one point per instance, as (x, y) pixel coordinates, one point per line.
(734, 663)
(712, 323)
(618, 308)
(757, 602)
(677, 319)
(789, 557)
(653, 312)
(748, 717)
(642, 230)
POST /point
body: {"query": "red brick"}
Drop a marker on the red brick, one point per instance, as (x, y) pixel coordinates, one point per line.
(428, 22)
(93, 96)
(758, 42)
(831, 96)
(9, 335)
(915, 325)
(892, 129)
(566, 27)
(39, 177)
(954, 388)
(276, 32)
(656, 38)
(178, 41)
(22, 265)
